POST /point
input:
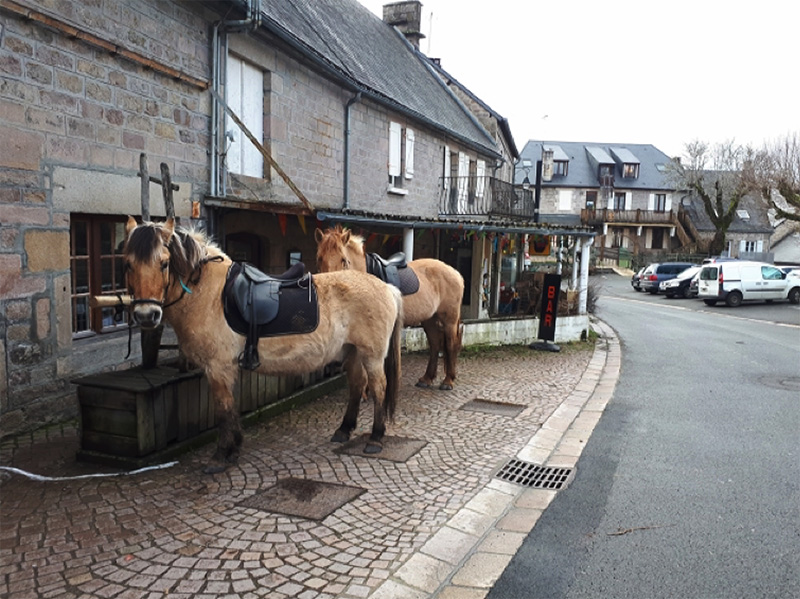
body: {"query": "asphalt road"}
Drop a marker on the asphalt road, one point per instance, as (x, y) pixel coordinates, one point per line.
(689, 487)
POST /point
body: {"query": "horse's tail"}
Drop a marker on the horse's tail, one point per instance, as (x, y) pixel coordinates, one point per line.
(460, 337)
(391, 365)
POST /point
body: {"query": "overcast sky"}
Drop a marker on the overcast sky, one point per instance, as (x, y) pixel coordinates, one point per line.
(625, 71)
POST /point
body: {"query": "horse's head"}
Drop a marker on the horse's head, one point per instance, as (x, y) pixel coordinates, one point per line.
(147, 257)
(337, 248)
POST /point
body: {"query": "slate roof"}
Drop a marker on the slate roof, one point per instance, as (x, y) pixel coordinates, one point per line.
(376, 59)
(582, 173)
(757, 223)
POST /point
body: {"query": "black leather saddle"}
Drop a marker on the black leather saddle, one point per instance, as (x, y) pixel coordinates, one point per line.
(260, 305)
(394, 271)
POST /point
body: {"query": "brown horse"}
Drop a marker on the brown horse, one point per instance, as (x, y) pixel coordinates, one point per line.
(179, 275)
(436, 305)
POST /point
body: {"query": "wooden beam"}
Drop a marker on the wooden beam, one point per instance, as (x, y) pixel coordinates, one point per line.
(262, 149)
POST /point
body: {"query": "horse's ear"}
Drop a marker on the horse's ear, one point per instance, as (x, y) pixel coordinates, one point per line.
(168, 229)
(318, 235)
(130, 225)
(345, 236)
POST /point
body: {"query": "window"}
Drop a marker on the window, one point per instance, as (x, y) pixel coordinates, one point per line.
(591, 200)
(751, 246)
(565, 200)
(560, 168)
(293, 257)
(245, 95)
(770, 273)
(619, 200)
(660, 204)
(401, 163)
(96, 268)
(630, 170)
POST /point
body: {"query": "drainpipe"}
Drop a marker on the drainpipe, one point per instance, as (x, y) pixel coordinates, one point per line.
(346, 174)
(251, 23)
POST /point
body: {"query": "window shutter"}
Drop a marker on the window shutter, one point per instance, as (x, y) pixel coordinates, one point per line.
(611, 201)
(742, 247)
(245, 95)
(409, 153)
(253, 117)
(760, 245)
(628, 200)
(668, 203)
(651, 202)
(463, 176)
(480, 175)
(447, 167)
(233, 91)
(394, 149)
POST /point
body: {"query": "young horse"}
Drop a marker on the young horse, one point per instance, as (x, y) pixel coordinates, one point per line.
(179, 275)
(436, 305)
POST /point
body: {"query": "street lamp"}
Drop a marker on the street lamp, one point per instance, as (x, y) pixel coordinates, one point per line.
(544, 171)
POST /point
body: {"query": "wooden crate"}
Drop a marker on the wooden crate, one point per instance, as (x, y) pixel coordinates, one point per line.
(135, 412)
(133, 417)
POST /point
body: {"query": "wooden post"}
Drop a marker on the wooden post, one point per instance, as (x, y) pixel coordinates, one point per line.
(151, 339)
(145, 177)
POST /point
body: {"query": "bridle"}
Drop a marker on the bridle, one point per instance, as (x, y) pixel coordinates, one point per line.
(194, 278)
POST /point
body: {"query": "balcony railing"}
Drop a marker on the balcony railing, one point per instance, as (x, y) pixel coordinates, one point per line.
(638, 217)
(483, 196)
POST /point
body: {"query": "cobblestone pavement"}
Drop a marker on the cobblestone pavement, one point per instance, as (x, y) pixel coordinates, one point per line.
(438, 525)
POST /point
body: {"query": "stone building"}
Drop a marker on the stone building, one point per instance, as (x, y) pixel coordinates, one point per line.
(353, 124)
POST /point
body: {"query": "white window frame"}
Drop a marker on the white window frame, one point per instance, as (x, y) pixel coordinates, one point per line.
(244, 88)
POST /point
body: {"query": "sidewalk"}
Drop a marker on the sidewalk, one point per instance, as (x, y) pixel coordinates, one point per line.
(436, 524)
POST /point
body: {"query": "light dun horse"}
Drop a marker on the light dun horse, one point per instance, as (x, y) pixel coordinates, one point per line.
(178, 275)
(436, 305)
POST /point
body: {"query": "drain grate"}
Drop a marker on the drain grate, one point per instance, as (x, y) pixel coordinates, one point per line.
(531, 475)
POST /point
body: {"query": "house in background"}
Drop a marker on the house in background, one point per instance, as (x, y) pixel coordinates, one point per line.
(621, 190)
(748, 237)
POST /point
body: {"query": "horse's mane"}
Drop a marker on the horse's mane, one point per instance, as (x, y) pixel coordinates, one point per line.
(188, 247)
(355, 243)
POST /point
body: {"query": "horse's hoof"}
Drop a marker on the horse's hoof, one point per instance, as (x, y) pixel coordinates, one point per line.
(423, 384)
(373, 447)
(215, 468)
(446, 387)
(340, 436)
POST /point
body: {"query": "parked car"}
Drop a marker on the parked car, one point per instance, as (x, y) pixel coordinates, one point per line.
(636, 279)
(679, 286)
(694, 284)
(661, 271)
(741, 281)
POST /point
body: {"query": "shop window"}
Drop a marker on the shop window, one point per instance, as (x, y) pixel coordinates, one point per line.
(96, 268)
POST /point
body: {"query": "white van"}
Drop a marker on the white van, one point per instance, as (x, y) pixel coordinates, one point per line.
(736, 281)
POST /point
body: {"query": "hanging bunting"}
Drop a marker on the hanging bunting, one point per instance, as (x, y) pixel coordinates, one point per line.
(282, 223)
(302, 219)
(385, 239)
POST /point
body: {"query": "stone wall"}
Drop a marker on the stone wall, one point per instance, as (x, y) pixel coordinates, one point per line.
(74, 119)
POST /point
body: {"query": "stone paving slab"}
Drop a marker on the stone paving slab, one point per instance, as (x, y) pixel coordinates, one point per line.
(435, 525)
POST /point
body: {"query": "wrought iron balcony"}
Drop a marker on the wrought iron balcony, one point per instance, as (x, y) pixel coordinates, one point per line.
(483, 196)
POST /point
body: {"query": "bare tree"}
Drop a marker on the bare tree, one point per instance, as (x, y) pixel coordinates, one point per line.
(720, 176)
(776, 174)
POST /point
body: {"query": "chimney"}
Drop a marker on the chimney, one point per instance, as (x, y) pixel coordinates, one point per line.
(406, 16)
